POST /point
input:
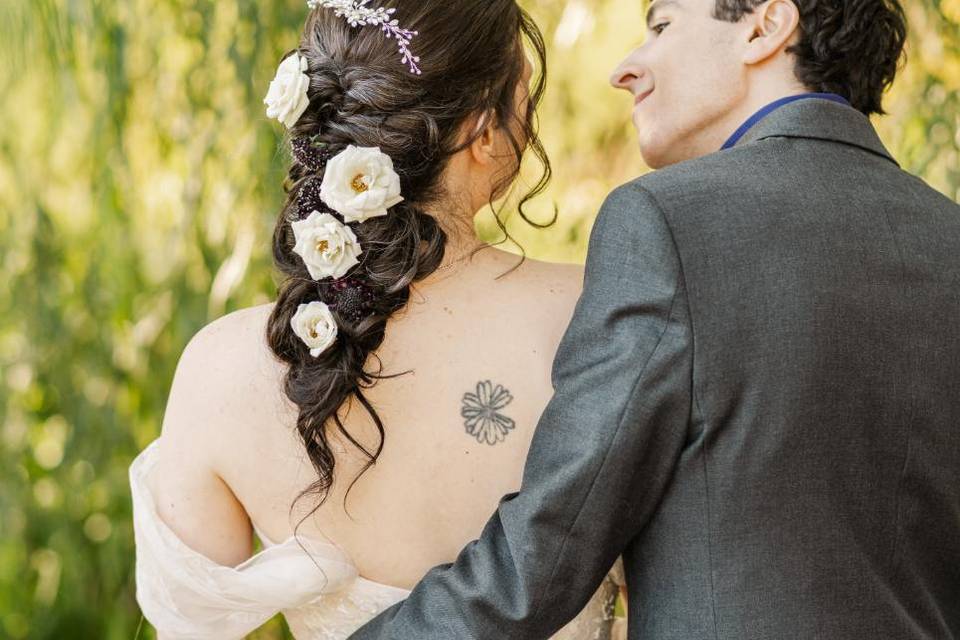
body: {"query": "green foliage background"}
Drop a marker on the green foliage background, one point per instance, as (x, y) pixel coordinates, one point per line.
(139, 180)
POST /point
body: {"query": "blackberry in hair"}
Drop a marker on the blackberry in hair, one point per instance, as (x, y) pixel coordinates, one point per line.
(351, 298)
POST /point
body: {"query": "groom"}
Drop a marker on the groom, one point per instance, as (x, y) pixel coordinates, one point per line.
(757, 402)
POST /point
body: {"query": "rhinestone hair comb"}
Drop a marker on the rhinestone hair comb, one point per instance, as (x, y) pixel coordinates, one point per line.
(357, 13)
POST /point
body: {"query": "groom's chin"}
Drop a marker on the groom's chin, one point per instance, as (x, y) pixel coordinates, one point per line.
(653, 156)
(652, 149)
(660, 149)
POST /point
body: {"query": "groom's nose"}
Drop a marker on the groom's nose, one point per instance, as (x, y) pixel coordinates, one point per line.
(627, 73)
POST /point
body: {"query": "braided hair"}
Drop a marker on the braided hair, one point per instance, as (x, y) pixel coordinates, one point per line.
(472, 60)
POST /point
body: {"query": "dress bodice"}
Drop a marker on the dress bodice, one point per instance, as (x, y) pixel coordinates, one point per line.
(313, 583)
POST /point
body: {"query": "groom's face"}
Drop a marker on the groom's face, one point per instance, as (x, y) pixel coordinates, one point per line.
(686, 80)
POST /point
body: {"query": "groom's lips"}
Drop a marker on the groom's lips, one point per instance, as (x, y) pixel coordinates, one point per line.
(641, 97)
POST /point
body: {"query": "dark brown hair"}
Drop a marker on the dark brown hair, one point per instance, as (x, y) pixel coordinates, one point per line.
(848, 47)
(472, 57)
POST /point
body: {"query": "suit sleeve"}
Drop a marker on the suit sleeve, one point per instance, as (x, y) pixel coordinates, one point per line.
(602, 454)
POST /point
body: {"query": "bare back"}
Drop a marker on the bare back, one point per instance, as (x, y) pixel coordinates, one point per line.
(458, 426)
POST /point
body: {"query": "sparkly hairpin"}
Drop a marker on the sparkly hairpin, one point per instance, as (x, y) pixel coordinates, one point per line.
(357, 13)
(308, 198)
(310, 152)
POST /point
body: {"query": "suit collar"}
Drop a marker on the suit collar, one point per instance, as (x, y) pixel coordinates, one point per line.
(818, 120)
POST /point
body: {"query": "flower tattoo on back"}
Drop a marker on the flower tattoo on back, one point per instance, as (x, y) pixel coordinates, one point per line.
(482, 412)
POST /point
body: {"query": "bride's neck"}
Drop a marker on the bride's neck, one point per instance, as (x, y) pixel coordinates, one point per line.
(462, 241)
(455, 213)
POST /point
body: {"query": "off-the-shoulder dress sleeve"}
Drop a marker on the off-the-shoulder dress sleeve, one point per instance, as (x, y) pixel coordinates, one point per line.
(185, 595)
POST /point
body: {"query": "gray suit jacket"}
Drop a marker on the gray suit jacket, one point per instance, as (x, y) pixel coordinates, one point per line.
(757, 403)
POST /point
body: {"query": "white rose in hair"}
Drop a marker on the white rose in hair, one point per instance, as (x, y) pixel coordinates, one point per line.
(327, 246)
(287, 96)
(360, 183)
(314, 324)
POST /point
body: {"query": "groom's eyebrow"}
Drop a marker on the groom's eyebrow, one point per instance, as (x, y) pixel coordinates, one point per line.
(655, 7)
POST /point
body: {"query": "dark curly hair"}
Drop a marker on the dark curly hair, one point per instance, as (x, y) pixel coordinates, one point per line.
(849, 47)
(472, 57)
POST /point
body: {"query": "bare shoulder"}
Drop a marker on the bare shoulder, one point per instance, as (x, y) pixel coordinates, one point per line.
(225, 370)
(221, 377)
(235, 346)
(515, 271)
(543, 294)
(239, 335)
(552, 287)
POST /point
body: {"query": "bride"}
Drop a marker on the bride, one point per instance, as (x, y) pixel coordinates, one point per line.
(364, 425)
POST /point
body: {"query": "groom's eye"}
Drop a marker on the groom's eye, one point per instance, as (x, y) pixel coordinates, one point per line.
(658, 29)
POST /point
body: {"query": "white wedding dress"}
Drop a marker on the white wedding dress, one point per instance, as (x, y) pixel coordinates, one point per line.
(314, 584)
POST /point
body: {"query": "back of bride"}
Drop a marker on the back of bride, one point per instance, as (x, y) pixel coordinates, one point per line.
(364, 425)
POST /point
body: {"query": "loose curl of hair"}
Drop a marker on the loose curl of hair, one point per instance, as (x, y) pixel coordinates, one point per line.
(472, 60)
(849, 47)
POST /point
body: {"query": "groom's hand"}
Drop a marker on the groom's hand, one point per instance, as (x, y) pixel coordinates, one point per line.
(601, 457)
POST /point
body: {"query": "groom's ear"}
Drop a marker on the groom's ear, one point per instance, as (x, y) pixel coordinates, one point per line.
(773, 26)
(482, 148)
